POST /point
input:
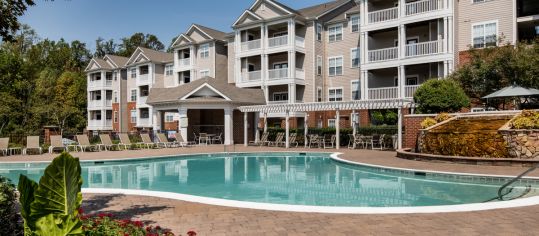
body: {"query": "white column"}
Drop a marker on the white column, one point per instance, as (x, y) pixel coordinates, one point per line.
(449, 66)
(306, 128)
(402, 41)
(399, 129)
(364, 47)
(256, 121)
(184, 122)
(363, 12)
(402, 10)
(245, 129)
(229, 126)
(402, 80)
(365, 83)
(287, 133)
(292, 93)
(450, 35)
(292, 64)
(292, 33)
(262, 36)
(446, 68)
(265, 122)
(337, 129)
(354, 126)
(156, 119)
(264, 67)
(192, 55)
(445, 35)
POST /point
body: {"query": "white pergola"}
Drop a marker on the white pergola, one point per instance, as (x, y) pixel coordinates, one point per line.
(398, 104)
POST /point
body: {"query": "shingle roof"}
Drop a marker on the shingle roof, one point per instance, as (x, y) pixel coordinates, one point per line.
(314, 11)
(118, 60)
(216, 34)
(237, 95)
(157, 56)
(102, 64)
(343, 15)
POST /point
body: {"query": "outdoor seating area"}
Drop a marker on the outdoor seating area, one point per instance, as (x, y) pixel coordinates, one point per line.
(375, 142)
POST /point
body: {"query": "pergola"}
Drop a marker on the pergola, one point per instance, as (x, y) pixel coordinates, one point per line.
(398, 104)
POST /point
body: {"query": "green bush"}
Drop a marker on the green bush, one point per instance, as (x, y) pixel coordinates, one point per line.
(435, 96)
(526, 120)
(9, 216)
(428, 122)
(377, 118)
(367, 130)
(106, 224)
(391, 117)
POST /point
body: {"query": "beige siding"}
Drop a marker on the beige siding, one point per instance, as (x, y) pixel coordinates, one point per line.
(221, 60)
(267, 11)
(231, 61)
(197, 36)
(308, 65)
(205, 63)
(159, 74)
(470, 13)
(131, 83)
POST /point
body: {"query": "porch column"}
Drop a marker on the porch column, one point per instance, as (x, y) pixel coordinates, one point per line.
(365, 85)
(364, 47)
(292, 93)
(287, 124)
(264, 71)
(192, 55)
(156, 120)
(245, 129)
(399, 129)
(354, 126)
(402, 40)
(306, 128)
(445, 35)
(450, 37)
(337, 129)
(401, 77)
(446, 68)
(184, 122)
(265, 122)
(256, 122)
(229, 126)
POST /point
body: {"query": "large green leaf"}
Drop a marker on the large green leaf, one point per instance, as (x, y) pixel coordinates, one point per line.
(58, 198)
(26, 188)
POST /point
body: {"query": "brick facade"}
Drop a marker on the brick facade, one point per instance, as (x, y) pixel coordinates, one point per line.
(412, 125)
(131, 106)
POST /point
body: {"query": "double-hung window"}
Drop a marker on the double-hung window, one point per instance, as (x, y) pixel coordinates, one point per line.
(169, 117)
(204, 73)
(204, 50)
(484, 34)
(335, 33)
(335, 94)
(133, 116)
(354, 22)
(356, 92)
(354, 55)
(318, 65)
(134, 95)
(331, 123)
(319, 94)
(134, 73)
(168, 70)
(115, 116)
(319, 32)
(335, 66)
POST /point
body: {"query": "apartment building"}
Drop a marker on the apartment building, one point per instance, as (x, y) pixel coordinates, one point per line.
(342, 50)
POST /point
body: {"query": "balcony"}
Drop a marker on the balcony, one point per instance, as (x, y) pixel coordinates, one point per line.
(424, 48)
(144, 122)
(409, 90)
(184, 62)
(100, 124)
(95, 103)
(383, 15)
(278, 41)
(251, 45)
(384, 54)
(100, 84)
(424, 6)
(300, 42)
(143, 79)
(252, 76)
(141, 100)
(279, 74)
(383, 93)
(108, 103)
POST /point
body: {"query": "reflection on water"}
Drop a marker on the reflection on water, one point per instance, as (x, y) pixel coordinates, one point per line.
(305, 180)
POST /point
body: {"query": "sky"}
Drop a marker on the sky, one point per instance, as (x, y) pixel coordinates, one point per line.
(86, 20)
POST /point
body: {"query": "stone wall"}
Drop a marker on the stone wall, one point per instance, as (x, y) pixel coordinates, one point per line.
(522, 144)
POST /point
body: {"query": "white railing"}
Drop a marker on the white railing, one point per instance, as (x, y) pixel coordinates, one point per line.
(108, 123)
(108, 83)
(95, 123)
(383, 54)
(423, 6)
(143, 122)
(276, 74)
(424, 48)
(95, 103)
(383, 93)
(300, 74)
(108, 103)
(251, 76)
(278, 41)
(141, 100)
(94, 83)
(251, 45)
(184, 62)
(384, 15)
(143, 78)
(409, 90)
(300, 42)
(278, 102)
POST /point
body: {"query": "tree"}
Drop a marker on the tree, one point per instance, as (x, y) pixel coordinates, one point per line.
(130, 44)
(10, 10)
(103, 47)
(435, 96)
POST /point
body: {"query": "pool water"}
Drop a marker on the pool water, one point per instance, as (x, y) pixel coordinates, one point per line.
(282, 178)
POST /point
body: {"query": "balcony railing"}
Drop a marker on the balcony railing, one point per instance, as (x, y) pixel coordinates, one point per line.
(276, 74)
(300, 74)
(95, 103)
(142, 79)
(300, 42)
(278, 41)
(251, 45)
(251, 76)
(143, 122)
(278, 102)
(99, 123)
(100, 83)
(424, 6)
(384, 15)
(409, 90)
(141, 100)
(184, 62)
(108, 103)
(384, 54)
(383, 93)
(108, 123)
(424, 48)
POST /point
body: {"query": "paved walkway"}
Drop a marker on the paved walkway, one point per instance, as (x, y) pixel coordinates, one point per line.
(182, 216)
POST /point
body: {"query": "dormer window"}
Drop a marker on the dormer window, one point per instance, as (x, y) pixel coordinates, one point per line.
(204, 50)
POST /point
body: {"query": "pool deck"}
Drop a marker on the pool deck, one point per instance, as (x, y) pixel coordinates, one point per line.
(181, 216)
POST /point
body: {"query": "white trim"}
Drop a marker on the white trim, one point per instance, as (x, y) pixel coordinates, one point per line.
(321, 97)
(316, 32)
(336, 88)
(352, 89)
(280, 93)
(110, 61)
(332, 9)
(484, 23)
(279, 63)
(202, 86)
(342, 32)
(334, 122)
(321, 65)
(358, 23)
(272, 3)
(178, 38)
(199, 51)
(352, 58)
(196, 27)
(243, 14)
(329, 65)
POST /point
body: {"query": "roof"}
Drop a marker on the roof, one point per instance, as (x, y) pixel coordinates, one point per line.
(152, 55)
(236, 95)
(216, 34)
(103, 64)
(317, 10)
(344, 15)
(513, 91)
(118, 60)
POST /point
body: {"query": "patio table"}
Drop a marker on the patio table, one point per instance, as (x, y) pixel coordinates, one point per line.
(14, 150)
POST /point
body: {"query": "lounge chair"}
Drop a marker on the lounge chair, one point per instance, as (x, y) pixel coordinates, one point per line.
(57, 144)
(218, 138)
(314, 139)
(181, 142)
(163, 141)
(4, 146)
(330, 142)
(278, 140)
(292, 139)
(263, 140)
(106, 143)
(379, 142)
(84, 143)
(147, 141)
(32, 143)
(126, 142)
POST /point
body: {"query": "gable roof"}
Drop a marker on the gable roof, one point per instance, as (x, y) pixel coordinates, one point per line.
(215, 34)
(100, 63)
(244, 15)
(229, 93)
(118, 61)
(321, 9)
(344, 15)
(152, 55)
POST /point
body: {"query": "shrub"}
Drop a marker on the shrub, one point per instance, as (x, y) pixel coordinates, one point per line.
(9, 216)
(391, 117)
(428, 122)
(526, 120)
(442, 117)
(435, 96)
(377, 117)
(106, 224)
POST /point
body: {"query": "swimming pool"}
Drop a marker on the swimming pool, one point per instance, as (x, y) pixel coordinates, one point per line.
(308, 179)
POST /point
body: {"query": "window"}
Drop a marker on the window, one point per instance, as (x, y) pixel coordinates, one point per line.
(335, 33)
(335, 66)
(484, 34)
(282, 96)
(169, 117)
(335, 94)
(331, 123)
(354, 22)
(144, 113)
(144, 70)
(133, 116)
(115, 75)
(204, 73)
(354, 55)
(169, 70)
(134, 73)
(355, 119)
(115, 116)
(318, 65)
(204, 50)
(319, 94)
(319, 32)
(478, 1)
(115, 97)
(356, 92)
(134, 95)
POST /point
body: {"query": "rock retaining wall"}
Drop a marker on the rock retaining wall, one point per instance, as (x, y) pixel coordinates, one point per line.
(522, 144)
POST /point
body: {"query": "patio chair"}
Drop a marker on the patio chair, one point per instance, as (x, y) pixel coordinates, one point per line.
(84, 143)
(217, 138)
(314, 139)
(126, 142)
(147, 141)
(203, 138)
(57, 144)
(293, 140)
(278, 140)
(106, 143)
(4, 146)
(263, 140)
(163, 141)
(378, 141)
(181, 142)
(330, 142)
(32, 143)
(197, 138)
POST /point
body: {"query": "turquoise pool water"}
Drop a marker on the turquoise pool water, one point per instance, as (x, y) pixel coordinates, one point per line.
(283, 178)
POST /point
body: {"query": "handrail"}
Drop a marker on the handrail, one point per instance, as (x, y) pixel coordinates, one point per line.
(500, 195)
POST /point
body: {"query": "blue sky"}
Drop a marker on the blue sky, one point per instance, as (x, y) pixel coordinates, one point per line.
(86, 20)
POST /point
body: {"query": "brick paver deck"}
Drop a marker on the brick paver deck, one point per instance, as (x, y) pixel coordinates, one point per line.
(181, 216)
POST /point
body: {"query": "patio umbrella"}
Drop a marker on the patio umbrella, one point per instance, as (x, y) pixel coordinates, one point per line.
(513, 91)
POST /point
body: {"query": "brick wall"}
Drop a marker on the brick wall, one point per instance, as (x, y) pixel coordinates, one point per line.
(171, 125)
(412, 125)
(364, 118)
(464, 58)
(131, 106)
